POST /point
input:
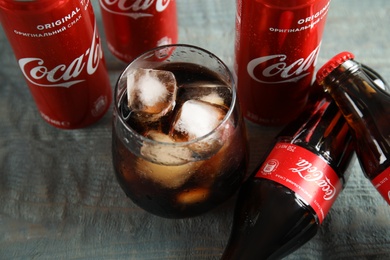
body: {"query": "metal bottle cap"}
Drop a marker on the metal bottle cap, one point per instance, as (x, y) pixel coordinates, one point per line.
(332, 64)
(344, 58)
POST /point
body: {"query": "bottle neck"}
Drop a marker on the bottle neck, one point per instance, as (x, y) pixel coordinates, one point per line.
(356, 80)
(359, 98)
(366, 106)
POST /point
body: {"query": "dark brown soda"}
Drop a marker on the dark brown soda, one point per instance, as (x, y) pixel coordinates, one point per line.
(162, 201)
(212, 181)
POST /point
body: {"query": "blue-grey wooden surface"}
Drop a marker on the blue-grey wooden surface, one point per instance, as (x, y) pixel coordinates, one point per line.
(59, 198)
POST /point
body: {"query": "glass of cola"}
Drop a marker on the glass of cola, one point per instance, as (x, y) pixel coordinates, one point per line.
(179, 142)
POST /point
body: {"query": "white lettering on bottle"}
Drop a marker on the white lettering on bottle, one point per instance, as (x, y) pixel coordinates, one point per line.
(62, 75)
(286, 72)
(133, 8)
(310, 173)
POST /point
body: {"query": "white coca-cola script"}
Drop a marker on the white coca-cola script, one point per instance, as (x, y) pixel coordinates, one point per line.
(36, 71)
(134, 8)
(279, 68)
(310, 173)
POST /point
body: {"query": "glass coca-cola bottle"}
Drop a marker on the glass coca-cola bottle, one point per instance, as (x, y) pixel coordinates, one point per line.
(366, 107)
(282, 205)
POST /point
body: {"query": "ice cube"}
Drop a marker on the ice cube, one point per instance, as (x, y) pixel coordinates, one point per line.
(151, 93)
(196, 119)
(170, 166)
(168, 176)
(193, 196)
(212, 93)
(162, 152)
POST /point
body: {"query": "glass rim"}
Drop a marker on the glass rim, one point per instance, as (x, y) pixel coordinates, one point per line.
(142, 138)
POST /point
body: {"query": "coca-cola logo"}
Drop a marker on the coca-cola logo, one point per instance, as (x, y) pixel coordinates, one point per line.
(134, 8)
(38, 73)
(280, 69)
(310, 173)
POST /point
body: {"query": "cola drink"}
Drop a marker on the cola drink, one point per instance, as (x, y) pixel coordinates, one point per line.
(284, 202)
(276, 49)
(58, 49)
(366, 107)
(179, 140)
(133, 27)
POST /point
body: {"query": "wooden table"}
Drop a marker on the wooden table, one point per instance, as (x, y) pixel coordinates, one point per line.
(59, 198)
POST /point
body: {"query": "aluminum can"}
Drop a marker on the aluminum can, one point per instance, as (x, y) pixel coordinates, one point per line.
(133, 27)
(58, 49)
(276, 49)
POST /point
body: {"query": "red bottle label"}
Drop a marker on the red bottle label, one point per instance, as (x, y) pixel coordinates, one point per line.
(305, 173)
(382, 184)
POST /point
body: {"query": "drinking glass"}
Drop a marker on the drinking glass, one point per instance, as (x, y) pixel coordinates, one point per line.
(168, 171)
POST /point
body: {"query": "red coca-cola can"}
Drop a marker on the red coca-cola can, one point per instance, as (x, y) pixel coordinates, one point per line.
(133, 27)
(276, 49)
(58, 49)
